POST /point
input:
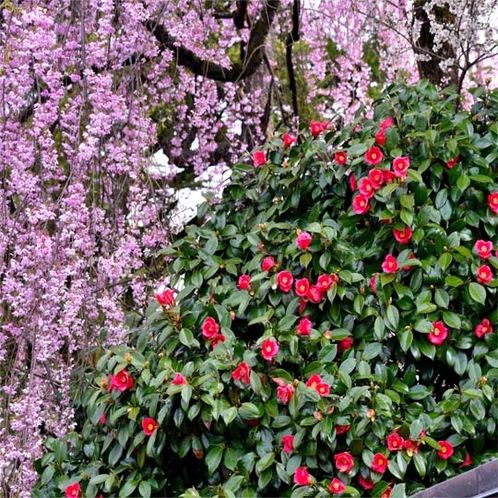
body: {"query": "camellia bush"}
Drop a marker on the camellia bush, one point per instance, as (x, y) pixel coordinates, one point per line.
(329, 327)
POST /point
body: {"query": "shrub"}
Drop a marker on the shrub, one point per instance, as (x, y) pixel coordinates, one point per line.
(335, 325)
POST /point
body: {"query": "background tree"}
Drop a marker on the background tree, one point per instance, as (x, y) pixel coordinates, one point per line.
(90, 90)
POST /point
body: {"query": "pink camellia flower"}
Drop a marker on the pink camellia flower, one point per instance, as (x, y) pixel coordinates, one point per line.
(373, 156)
(439, 333)
(149, 425)
(103, 419)
(165, 297)
(217, 339)
(314, 294)
(389, 176)
(387, 123)
(446, 450)
(390, 265)
(303, 240)
(373, 283)
(484, 248)
(121, 381)
(379, 463)
(340, 158)
(73, 490)
(316, 128)
(285, 280)
(268, 263)
(386, 493)
(376, 177)
(484, 274)
(367, 188)
(493, 202)
(304, 327)
(244, 282)
(289, 140)
(410, 447)
(302, 476)
(324, 282)
(341, 429)
(242, 373)
(400, 166)
(302, 287)
(337, 486)
(352, 182)
(452, 162)
(288, 442)
(394, 442)
(360, 204)
(365, 483)
(269, 349)
(322, 389)
(259, 158)
(483, 328)
(178, 379)
(210, 328)
(467, 461)
(344, 344)
(344, 462)
(285, 393)
(380, 137)
(313, 381)
(403, 236)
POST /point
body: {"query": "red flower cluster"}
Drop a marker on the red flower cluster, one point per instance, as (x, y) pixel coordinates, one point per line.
(315, 381)
(289, 140)
(285, 280)
(121, 381)
(483, 328)
(259, 158)
(73, 490)
(244, 282)
(439, 333)
(269, 349)
(165, 297)
(446, 450)
(210, 330)
(337, 486)
(403, 236)
(285, 393)
(149, 425)
(344, 462)
(394, 441)
(242, 373)
(484, 248)
(484, 274)
(288, 442)
(302, 476)
(379, 463)
(268, 263)
(178, 379)
(390, 265)
(304, 327)
(493, 202)
(303, 240)
(341, 158)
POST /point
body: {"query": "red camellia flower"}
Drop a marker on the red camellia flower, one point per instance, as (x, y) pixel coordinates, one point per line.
(340, 158)
(103, 419)
(394, 442)
(352, 182)
(179, 379)
(493, 202)
(314, 294)
(344, 462)
(322, 389)
(387, 123)
(268, 263)
(316, 128)
(400, 166)
(302, 287)
(483, 328)
(467, 461)
(73, 490)
(380, 137)
(341, 429)
(210, 328)
(288, 442)
(285, 393)
(452, 162)
(389, 176)
(303, 240)
(149, 425)
(244, 282)
(484, 274)
(367, 188)
(165, 297)
(411, 447)
(365, 483)
(259, 158)
(373, 281)
(121, 381)
(379, 463)
(373, 156)
(344, 344)
(313, 381)
(484, 248)
(284, 281)
(304, 327)
(269, 349)
(337, 486)
(324, 282)
(390, 265)
(446, 450)
(403, 236)
(289, 140)
(376, 177)
(302, 477)
(360, 204)
(242, 373)
(439, 333)
(217, 339)
(386, 493)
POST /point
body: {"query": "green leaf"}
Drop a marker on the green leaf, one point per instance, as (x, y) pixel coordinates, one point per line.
(452, 320)
(144, 489)
(186, 337)
(127, 489)
(420, 464)
(399, 491)
(405, 338)
(445, 260)
(453, 281)
(264, 462)
(477, 292)
(392, 316)
(213, 458)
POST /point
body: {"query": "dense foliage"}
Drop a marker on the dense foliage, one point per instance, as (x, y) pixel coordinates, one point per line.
(334, 329)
